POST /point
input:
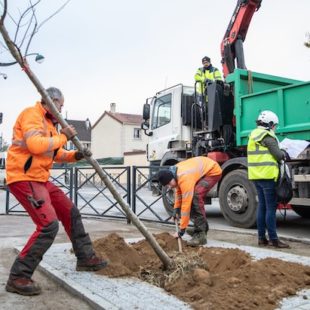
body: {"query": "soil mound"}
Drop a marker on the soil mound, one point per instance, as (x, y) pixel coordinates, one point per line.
(206, 278)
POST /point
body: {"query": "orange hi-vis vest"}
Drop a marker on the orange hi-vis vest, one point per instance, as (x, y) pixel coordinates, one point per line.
(35, 146)
(189, 172)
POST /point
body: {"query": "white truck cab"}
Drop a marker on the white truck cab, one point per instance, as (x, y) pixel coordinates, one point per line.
(167, 130)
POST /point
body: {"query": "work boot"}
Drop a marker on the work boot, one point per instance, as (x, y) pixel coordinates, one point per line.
(263, 242)
(192, 230)
(23, 286)
(198, 239)
(278, 244)
(91, 264)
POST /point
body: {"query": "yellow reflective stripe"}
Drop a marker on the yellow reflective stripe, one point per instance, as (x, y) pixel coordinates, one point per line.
(185, 213)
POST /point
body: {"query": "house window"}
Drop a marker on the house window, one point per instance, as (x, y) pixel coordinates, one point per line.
(137, 133)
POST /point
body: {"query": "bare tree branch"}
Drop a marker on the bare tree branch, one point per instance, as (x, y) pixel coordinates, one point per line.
(32, 27)
(5, 8)
(33, 31)
(56, 12)
(11, 17)
(31, 8)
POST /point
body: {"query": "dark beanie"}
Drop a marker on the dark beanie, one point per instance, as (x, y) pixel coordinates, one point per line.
(206, 58)
(164, 177)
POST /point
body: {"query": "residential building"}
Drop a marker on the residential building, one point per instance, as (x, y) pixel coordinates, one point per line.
(83, 129)
(115, 134)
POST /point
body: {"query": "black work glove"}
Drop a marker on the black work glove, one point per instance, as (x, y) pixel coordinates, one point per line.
(286, 155)
(80, 155)
(176, 214)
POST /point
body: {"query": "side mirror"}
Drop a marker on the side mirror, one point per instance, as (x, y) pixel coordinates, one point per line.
(145, 126)
(146, 111)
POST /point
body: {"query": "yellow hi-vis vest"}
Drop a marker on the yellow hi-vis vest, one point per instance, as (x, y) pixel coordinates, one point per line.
(201, 77)
(261, 164)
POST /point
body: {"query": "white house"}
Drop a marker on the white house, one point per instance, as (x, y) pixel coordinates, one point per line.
(115, 134)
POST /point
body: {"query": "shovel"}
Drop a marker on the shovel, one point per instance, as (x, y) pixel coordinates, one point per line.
(177, 231)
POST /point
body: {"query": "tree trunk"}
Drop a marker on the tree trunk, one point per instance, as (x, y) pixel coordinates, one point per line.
(126, 208)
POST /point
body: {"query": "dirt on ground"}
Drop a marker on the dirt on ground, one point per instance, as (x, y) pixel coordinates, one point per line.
(206, 278)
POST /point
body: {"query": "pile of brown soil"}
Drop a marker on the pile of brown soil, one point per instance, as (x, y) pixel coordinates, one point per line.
(206, 278)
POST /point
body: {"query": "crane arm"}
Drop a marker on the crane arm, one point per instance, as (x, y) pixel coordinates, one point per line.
(232, 43)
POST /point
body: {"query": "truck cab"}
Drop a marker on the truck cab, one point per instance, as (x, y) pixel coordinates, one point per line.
(166, 124)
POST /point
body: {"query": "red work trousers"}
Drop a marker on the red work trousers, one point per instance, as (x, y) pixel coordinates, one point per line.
(55, 205)
(198, 212)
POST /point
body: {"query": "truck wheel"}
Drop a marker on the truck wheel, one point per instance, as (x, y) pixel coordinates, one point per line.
(303, 211)
(168, 199)
(238, 200)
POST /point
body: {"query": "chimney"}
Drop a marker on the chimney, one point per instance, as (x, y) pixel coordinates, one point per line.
(113, 107)
(87, 122)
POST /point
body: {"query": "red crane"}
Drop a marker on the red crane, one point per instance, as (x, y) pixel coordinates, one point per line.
(232, 44)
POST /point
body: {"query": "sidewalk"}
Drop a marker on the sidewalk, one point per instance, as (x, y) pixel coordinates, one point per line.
(14, 231)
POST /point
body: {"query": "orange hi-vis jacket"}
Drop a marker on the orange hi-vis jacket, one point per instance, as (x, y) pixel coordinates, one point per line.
(35, 145)
(189, 172)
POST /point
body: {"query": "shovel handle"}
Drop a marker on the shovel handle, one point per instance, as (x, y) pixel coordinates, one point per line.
(179, 239)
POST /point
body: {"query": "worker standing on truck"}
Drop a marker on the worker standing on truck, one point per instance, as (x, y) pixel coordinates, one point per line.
(192, 179)
(36, 144)
(204, 74)
(263, 158)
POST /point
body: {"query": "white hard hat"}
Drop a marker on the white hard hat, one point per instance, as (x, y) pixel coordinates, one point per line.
(268, 118)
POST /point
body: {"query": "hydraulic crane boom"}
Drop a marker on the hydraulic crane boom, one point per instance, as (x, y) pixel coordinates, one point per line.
(232, 44)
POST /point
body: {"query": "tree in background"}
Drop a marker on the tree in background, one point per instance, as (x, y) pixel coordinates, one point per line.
(26, 26)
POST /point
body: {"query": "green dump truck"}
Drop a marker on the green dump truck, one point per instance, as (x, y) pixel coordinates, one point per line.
(178, 128)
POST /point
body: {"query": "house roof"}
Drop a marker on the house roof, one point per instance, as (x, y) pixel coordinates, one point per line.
(123, 118)
(83, 130)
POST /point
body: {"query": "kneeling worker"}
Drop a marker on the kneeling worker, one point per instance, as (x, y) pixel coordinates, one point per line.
(192, 178)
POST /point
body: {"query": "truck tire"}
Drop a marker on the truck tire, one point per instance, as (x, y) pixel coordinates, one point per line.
(303, 211)
(168, 199)
(238, 202)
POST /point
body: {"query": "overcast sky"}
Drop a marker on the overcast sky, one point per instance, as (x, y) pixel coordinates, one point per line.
(104, 51)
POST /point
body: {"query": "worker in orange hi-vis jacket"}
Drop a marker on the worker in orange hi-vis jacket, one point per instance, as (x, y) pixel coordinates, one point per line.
(192, 179)
(35, 146)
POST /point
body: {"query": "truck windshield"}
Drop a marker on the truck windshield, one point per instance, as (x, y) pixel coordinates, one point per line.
(161, 111)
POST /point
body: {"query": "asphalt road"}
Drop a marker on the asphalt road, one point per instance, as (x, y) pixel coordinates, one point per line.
(151, 208)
